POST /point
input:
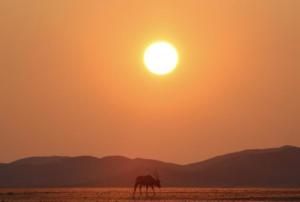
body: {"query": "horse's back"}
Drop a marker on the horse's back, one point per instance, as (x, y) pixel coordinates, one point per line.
(145, 179)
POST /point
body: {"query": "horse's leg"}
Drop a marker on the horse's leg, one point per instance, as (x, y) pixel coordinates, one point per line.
(153, 190)
(140, 187)
(135, 186)
(146, 190)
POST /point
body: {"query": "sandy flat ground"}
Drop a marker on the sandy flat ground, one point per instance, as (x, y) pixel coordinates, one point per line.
(164, 194)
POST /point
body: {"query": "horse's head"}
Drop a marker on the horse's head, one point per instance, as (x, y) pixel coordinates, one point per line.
(157, 180)
(157, 183)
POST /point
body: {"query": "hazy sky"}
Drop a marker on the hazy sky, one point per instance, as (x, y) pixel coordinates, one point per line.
(73, 82)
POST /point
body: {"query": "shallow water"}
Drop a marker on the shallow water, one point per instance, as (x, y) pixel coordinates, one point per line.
(164, 194)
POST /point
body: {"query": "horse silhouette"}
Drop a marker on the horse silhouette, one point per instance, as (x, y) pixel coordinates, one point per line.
(147, 181)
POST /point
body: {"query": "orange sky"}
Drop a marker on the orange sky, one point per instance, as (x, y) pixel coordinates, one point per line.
(72, 78)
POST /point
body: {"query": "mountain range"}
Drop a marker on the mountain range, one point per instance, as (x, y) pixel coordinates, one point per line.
(273, 167)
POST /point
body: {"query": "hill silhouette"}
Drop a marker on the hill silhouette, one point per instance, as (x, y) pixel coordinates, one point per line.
(275, 167)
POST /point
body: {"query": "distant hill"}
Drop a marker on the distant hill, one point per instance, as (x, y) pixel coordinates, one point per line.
(275, 167)
(38, 160)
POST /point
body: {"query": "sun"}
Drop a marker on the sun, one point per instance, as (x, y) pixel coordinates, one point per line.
(161, 58)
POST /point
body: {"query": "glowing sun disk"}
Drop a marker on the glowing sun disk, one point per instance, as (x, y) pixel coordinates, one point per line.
(161, 58)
